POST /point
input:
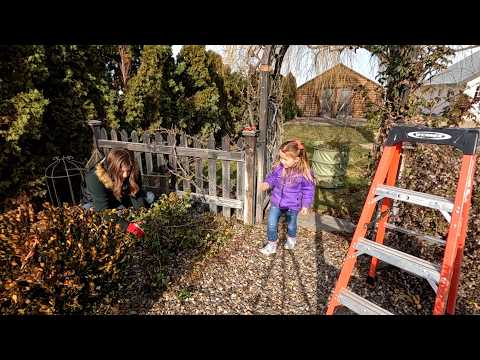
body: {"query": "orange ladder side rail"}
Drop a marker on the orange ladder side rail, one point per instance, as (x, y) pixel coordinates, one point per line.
(383, 168)
(450, 271)
(385, 208)
(452, 297)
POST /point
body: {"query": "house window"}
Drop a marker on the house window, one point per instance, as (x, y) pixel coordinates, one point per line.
(336, 103)
(344, 103)
(326, 102)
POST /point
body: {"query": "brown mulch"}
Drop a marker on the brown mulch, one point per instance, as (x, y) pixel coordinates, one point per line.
(238, 279)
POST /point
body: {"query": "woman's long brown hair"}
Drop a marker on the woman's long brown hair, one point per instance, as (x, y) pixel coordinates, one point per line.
(116, 159)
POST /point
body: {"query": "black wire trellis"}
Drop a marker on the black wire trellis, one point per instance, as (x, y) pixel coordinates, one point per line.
(64, 175)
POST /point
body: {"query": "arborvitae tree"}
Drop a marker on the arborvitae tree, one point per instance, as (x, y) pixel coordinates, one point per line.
(150, 93)
(289, 92)
(198, 101)
(235, 85)
(210, 96)
(47, 95)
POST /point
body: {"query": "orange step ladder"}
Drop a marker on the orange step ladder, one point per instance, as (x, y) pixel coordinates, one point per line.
(444, 277)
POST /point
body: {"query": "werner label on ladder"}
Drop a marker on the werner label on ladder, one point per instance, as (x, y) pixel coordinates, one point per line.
(442, 277)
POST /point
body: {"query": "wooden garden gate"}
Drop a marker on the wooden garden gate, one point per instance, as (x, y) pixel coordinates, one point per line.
(173, 161)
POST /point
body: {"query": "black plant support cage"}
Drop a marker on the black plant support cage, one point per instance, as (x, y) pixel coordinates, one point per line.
(65, 177)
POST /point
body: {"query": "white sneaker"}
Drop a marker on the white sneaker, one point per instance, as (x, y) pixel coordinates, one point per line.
(270, 248)
(290, 243)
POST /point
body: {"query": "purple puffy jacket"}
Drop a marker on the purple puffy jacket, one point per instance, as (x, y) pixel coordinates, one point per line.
(291, 193)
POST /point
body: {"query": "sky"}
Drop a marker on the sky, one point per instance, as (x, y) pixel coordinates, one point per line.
(361, 62)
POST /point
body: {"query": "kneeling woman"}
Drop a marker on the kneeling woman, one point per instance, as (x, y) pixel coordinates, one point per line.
(115, 183)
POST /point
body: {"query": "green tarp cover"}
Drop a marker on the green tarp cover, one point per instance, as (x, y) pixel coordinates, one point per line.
(329, 167)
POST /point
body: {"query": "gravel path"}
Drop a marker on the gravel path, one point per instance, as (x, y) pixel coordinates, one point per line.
(240, 280)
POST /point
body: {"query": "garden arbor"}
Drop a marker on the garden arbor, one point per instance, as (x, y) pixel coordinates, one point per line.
(269, 119)
(269, 135)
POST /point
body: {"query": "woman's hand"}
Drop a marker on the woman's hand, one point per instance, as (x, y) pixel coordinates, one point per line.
(304, 211)
(264, 186)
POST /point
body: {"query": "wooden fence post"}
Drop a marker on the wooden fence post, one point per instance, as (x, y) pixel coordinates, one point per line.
(137, 154)
(95, 126)
(265, 81)
(124, 135)
(148, 156)
(226, 176)
(160, 159)
(198, 169)
(240, 193)
(250, 176)
(212, 174)
(185, 163)
(172, 160)
(103, 135)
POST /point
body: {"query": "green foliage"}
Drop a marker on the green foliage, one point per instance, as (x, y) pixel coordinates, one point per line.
(115, 57)
(26, 119)
(47, 95)
(197, 94)
(59, 260)
(234, 89)
(375, 116)
(209, 95)
(176, 229)
(173, 223)
(184, 294)
(403, 68)
(149, 98)
(289, 91)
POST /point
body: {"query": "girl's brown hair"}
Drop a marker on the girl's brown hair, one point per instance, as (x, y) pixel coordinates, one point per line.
(116, 159)
(296, 148)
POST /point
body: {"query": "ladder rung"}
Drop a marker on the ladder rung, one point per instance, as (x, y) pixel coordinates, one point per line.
(407, 262)
(360, 305)
(428, 238)
(414, 197)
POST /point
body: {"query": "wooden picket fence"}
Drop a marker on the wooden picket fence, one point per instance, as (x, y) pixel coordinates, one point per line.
(193, 167)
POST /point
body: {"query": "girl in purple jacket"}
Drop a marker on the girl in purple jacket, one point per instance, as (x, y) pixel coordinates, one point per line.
(293, 190)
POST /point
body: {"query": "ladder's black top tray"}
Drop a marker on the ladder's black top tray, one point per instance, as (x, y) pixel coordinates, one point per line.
(461, 138)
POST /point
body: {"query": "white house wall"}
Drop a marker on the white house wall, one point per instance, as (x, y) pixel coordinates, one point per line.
(470, 91)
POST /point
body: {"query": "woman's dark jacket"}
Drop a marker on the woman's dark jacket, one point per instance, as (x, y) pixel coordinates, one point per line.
(100, 185)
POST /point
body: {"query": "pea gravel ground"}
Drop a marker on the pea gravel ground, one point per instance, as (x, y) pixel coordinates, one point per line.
(241, 280)
(238, 279)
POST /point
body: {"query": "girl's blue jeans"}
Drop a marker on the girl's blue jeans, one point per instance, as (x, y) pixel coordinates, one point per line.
(273, 217)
